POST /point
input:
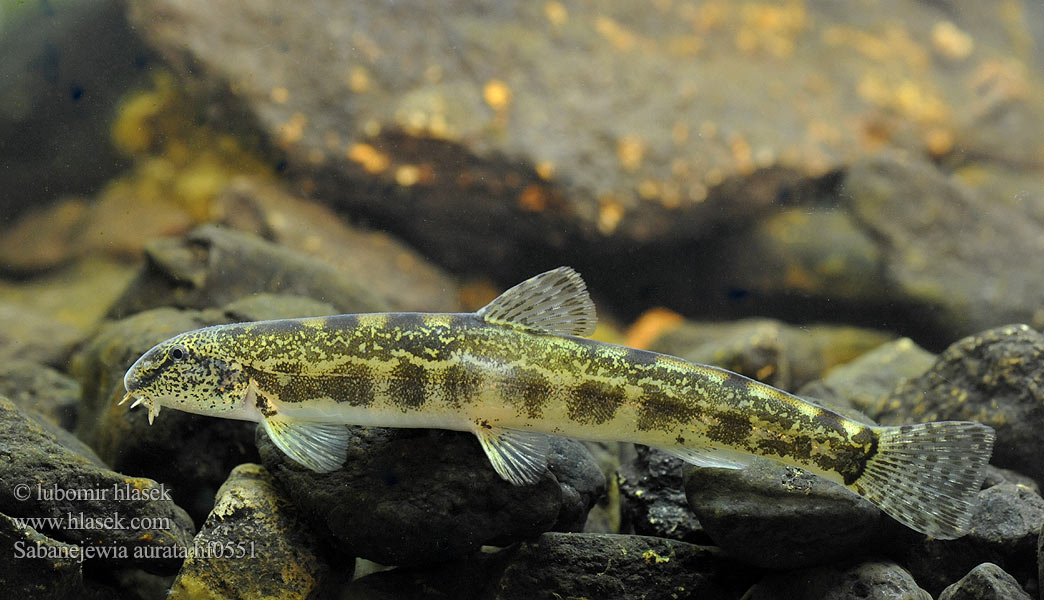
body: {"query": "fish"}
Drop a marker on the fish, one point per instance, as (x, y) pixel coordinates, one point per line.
(521, 370)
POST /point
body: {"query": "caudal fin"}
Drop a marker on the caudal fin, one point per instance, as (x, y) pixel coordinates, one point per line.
(927, 476)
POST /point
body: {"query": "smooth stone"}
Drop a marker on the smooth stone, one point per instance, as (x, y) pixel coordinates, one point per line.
(985, 582)
(416, 496)
(870, 580)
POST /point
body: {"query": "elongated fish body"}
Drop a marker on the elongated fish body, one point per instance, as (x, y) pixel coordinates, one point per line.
(516, 372)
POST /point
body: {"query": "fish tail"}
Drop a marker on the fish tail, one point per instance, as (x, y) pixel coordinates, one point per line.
(927, 476)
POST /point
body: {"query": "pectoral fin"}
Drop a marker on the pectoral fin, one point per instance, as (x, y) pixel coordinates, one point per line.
(322, 447)
(518, 456)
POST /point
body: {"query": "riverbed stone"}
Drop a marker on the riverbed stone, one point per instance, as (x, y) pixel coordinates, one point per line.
(870, 580)
(1005, 524)
(42, 389)
(985, 582)
(42, 478)
(27, 334)
(401, 478)
(995, 377)
(254, 544)
(780, 517)
(212, 266)
(654, 500)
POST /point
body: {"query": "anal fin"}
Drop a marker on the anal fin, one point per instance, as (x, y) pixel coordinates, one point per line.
(518, 456)
(322, 447)
(718, 458)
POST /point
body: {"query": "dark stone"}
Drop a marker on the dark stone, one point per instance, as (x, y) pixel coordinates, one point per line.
(779, 517)
(625, 567)
(994, 377)
(871, 580)
(267, 549)
(51, 572)
(654, 498)
(37, 474)
(212, 266)
(985, 582)
(465, 578)
(527, 130)
(395, 272)
(41, 389)
(401, 478)
(938, 251)
(1005, 526)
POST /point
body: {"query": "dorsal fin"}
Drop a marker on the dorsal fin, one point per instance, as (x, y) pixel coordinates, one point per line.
(553, 302)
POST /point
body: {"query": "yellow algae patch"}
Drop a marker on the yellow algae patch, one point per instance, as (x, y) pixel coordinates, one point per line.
(279, 95)
(652, 557)
(497, 94)
(950, 42)
(372, 160)
(556, 13)
(630, 151)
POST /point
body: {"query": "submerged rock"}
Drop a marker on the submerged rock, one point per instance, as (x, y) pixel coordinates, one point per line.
(1005, 526)
(403, 279)
(617, 566)
(118, 520)
(212, 266)
(780, 517)
(52, 571)
(26, 334)
(654, 500)
(254, 544)
(985, 582)
(995, 377)
(414, 496)
(871, 580)
(39, 388)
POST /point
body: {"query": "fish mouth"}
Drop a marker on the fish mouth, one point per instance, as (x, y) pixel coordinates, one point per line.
(150, 403)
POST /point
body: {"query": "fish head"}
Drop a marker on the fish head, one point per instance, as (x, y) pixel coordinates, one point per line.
(188, 372)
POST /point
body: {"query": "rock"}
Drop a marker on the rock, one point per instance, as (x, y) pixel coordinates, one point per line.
(1005, 526)
(985, 582)
(995, 377)
(581, 123)
(78, 294)
(780, 355)
(945, 256)
(783, 518)
(654, 498)
(51, 571)
(131, 519)
(400, 478)
(871, 580)
(214, 266)
(867, 382)
(254, 544)
(617, 566)
(407, 281)
(465, 578)
(40, 388)
(29, 335)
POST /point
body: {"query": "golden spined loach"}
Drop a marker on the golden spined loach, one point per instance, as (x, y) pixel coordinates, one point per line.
(514, 373)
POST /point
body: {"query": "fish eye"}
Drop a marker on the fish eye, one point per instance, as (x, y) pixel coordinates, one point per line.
(178, 352)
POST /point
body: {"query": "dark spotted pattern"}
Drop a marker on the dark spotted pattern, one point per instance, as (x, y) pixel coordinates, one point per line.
(529, 391)
(352, 384)
(731, 429)
(657, 411)
(406, 385)
(459, 384)
(594, 402)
